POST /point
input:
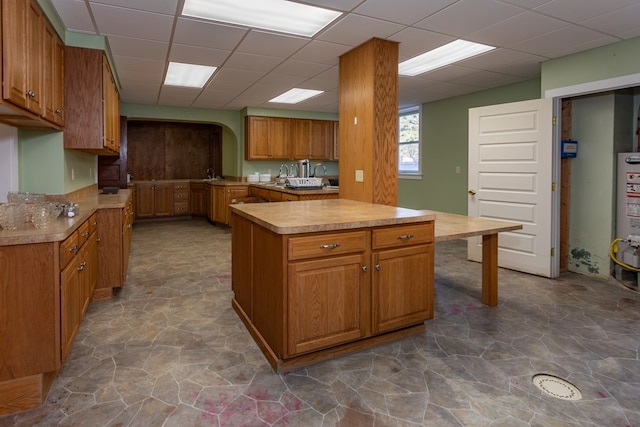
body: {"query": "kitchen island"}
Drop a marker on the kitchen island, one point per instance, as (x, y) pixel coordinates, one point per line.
(313, 280)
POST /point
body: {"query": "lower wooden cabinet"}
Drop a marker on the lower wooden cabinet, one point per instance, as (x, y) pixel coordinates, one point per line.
(198, 199)
(154, 198)
(222, 196)
(181, 198)
(77, 283)
(327, 292)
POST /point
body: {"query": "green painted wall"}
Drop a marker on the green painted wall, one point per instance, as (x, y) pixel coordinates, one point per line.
(445, 147)
(600, 125)
(614, 60)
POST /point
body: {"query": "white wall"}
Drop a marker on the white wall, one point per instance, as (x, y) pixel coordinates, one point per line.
(8, 161)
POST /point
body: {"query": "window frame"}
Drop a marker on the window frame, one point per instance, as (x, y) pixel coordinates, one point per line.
(405, 112)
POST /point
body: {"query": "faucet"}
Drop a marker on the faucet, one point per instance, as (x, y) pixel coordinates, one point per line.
(210, 174)
(324, 169)
(284, 169)
(294, 165)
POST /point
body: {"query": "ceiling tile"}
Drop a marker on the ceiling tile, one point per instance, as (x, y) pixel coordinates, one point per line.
(74, 14)
(167, 7)
(565, 41)
(268, 44)
(301, 68)
(178, 96)
(466, 16)
(145, 49)
(198, 55)
(402, 11)
(567, 10)
(251, 62)
(234, 79)
(513, 30)
(207, 34)
(321, 52)
(216, 99)
(414, 41)
(622, 22)
(132, 23)
(354, 30)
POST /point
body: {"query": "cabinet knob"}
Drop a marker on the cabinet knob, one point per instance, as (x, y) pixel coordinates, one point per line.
(73, 248)
(364, 268)
(472, 192)
(378, 267)
(58, 111)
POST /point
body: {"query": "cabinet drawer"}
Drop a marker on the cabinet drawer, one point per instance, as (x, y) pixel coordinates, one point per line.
(181, 196)
(275, 196)
(83, 233)
(402, 235)
(68, 249)
(181, 186)
(327, 244)
(181, 209)
(93, 223)
(286, 197)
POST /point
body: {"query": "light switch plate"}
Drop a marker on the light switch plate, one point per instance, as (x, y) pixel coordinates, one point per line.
(359, 175)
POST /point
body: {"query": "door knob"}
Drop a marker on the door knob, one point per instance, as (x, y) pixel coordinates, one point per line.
(472, 192)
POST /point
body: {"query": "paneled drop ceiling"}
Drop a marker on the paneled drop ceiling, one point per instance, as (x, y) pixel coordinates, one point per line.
(255, 66)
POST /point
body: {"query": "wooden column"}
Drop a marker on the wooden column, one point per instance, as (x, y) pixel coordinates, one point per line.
(369, 122)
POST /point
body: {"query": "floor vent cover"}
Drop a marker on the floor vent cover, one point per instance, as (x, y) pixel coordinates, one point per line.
(557, 387)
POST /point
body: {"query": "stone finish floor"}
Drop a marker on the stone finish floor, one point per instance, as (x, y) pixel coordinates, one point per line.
(168, 350)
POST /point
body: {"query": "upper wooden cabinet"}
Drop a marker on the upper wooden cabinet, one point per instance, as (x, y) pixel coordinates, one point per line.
(32, 64)
(92, 103)
(312, 139)
(277, 138)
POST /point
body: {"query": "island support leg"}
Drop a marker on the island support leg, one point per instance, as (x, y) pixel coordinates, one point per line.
(490, 269)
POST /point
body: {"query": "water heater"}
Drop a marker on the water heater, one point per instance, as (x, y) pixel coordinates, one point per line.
(628, 209)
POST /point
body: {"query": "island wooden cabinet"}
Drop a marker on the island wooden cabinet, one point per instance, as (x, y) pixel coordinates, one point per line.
(154, 198)
(91, 98)
(307, 297)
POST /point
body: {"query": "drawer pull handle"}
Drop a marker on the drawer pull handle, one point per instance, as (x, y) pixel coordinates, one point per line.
(85, 234)
(73, 248)
(330, 246)
(405, 236)
(364, 268)
(82, 266)
(378, 267)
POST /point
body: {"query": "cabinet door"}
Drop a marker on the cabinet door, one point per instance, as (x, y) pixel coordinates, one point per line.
(220, 204)
(14, 19)
(197, 200)
(335, 155)
(110, 233)
(301, 139)
(163, 199)
(279, 138)
(328, 302)
(402, 287)
(70, 305)
(145, 200)
(257, 138)
(321, 139)
(34, 58)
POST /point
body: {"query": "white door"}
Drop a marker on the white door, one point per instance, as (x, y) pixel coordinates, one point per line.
(510, 179)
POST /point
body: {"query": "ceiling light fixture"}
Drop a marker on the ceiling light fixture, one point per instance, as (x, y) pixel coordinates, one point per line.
(296, 95)
(275, 15)
(187, 75)
(444, 55)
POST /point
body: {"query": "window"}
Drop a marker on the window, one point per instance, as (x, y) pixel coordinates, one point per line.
(409, 164)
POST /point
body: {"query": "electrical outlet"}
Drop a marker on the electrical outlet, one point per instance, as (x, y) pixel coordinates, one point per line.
(359, 175)
(73, 174)
(457, 169)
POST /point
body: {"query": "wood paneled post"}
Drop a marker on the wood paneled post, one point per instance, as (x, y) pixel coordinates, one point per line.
(369, 122)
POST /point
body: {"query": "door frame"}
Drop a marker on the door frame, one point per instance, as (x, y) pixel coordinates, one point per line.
(558, 94)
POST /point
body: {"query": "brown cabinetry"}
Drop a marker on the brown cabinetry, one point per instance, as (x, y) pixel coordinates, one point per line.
(312, 139)
(328, 293)
(53, 77)
(77, 282)
(154, 199)
(114, 233)
(198, 199)
(181, 198)
(222, 196)
(91, 98)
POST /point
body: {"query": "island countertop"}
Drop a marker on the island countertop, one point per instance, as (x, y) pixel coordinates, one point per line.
(327, 215)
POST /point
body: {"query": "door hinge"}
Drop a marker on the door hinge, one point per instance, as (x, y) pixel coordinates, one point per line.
(553, 186)
(554, 120)
(553, 251)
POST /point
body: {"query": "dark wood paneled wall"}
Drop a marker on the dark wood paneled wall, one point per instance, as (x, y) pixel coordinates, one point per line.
(171, 150)
(112, 170)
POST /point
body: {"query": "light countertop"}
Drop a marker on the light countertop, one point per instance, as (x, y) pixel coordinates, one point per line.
(327, 215)
(62, 227)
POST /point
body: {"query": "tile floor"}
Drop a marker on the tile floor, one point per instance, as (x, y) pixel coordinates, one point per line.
(168, 350)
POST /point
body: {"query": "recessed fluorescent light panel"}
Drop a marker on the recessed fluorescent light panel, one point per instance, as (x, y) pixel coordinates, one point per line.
(296, 95)
(444, 55)
(187, 75)
(275, 15)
